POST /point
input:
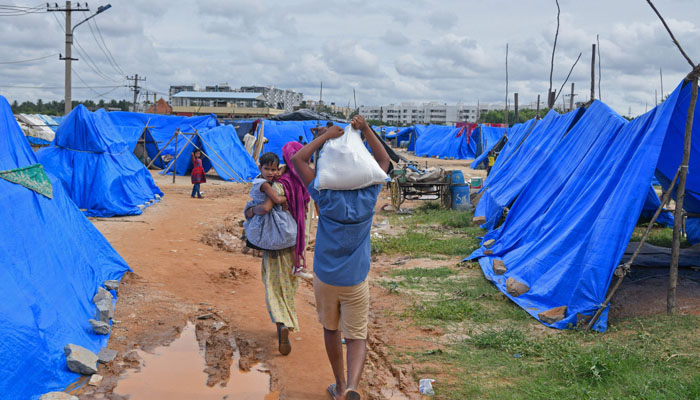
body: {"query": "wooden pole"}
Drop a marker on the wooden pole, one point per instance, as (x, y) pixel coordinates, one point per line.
(217, 154)
(506, 113)
(177, 133)
(160, 151)
(515, 105)
(593, 73)
(680, 196)
(624, 269)
(538, 107)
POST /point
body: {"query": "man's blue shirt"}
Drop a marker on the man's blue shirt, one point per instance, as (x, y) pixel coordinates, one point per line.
(342, 251)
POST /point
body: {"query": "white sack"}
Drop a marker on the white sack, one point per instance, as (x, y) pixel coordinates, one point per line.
(345, 164)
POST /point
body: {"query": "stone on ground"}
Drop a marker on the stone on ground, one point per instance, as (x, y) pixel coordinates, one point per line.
(479, 220)
(552, 315)
(489, 243)
(106, 355)
(57, 396)
(80, 360)
(499, 268)
(516, 288)
(95, 380)
(112, 284)
(105, 310)
(100, 328)
(102, 294)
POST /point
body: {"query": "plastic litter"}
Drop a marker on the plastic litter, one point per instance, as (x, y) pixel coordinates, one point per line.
(425, 386)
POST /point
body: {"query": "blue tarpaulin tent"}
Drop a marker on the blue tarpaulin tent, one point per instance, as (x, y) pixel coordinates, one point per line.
(158, 130)
(224, 152)
(443, 141)
(514, 134)
(97, 167)
(512, 172)
(483, 138)
(53, 260)
(569, 226)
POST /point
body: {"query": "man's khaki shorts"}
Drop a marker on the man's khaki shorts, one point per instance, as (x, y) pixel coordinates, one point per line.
(343, 307)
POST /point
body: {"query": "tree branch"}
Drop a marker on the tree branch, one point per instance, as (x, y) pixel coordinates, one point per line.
(567, 77)
(692, 64)
(551, 69)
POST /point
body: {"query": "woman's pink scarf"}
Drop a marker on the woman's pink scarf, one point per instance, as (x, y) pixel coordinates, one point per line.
(297, 200)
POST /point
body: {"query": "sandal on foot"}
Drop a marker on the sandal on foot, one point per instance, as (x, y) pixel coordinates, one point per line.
(285, 347)
(331, 390)
(352, 395)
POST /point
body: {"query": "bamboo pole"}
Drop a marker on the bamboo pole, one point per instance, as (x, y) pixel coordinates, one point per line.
(626, 266)
(160, 151)
(220, 158)
(680, 197)
(177, 133)
(516, 119)
(200, 149)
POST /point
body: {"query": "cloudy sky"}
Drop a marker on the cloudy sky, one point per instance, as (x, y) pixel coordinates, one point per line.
(389, 51)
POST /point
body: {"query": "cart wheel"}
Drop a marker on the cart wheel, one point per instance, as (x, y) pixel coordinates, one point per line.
(395, 195)
(446, 198)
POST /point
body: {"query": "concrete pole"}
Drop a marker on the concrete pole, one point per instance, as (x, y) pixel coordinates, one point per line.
(69, 44)
(136, 90)
(571, 100)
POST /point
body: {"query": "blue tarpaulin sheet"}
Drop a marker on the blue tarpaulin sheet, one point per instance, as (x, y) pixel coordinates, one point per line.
(514, 134)
(53, 260)
(443, 141)
(671, 155)
(96, 166)
(158, 130)
(483, 138)
(509, 177)
(569, 226)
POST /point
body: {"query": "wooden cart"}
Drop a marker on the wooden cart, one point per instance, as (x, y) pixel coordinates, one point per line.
(402, 189)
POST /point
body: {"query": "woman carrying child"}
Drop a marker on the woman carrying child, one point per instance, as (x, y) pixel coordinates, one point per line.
(198, 176)
(278, 266)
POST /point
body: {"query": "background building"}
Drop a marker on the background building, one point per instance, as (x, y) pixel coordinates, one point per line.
(425, 113)
(282, 99)
(222, 104)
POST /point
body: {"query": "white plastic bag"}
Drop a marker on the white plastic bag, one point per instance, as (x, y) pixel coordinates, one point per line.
(345, 164)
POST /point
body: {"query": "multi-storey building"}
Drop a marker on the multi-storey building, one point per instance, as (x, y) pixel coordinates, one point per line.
(426, 113)
(282, 99)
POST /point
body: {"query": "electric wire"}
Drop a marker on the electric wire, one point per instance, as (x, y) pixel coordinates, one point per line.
(88, 59)
(109, 55)
(27, 61)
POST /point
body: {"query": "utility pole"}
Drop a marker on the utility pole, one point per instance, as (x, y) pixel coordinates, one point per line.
(69, 44)
(135, 87)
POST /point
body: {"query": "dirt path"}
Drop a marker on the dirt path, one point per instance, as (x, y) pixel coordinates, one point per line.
(178, 278)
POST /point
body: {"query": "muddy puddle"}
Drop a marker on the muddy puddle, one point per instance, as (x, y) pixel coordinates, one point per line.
(177, 372)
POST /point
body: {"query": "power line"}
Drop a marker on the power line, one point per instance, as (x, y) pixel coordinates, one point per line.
(26, 61)
(104, 48)
(86, 56)
(58, 87)
(14, 11)
(89, 87)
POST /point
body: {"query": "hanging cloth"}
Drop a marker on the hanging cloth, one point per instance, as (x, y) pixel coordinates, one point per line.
(32, 177)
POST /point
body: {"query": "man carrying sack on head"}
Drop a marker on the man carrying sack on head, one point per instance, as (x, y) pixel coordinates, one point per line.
(345, 186)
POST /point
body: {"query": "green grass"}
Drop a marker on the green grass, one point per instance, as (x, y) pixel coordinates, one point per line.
(430, 231)
(505, 354)
(492, 349)
(659, 236)
(631, 363)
